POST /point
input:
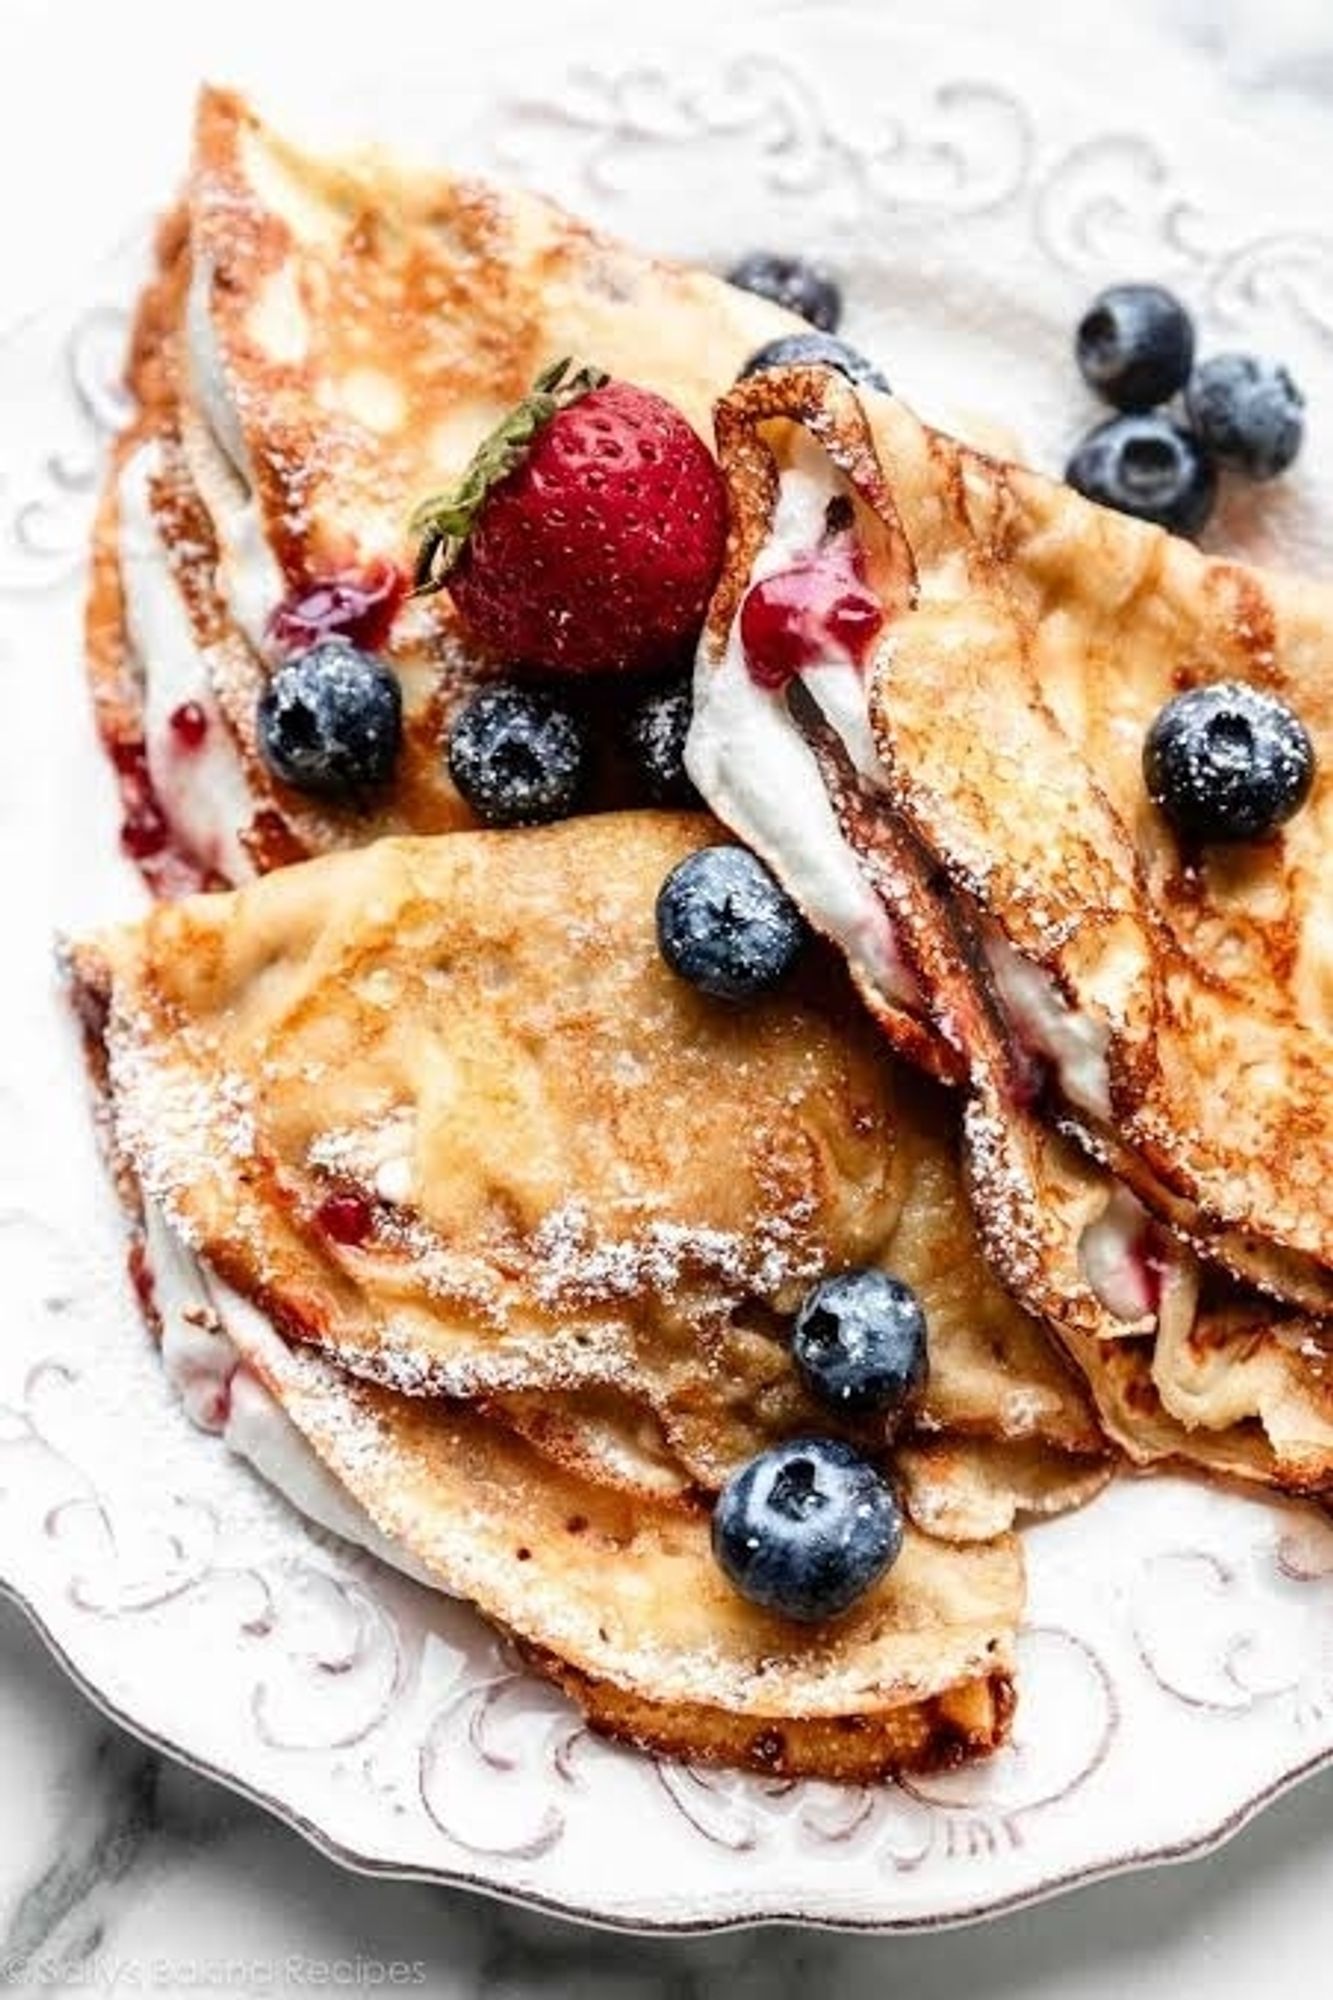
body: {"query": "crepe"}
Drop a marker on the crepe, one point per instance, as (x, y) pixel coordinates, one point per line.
(594, 1201)
(1239, 1387)
(621, 1602)
(577, 1171)
(326, 341)
(1197, 983)
(616, 1598)
(820, 777)
(969, 1490)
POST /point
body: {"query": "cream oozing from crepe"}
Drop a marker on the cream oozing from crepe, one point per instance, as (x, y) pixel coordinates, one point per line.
(753, 766)
(222, 1395)
(1069, 1038)
(249, 574)
(204, 793)
(1112, 1260)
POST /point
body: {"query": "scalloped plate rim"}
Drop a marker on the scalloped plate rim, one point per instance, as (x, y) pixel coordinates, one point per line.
(1192, 1847)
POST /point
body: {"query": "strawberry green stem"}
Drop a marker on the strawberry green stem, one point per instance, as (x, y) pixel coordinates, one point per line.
(445, 520)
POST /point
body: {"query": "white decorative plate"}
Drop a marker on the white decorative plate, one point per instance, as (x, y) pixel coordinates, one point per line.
(1178, 1667)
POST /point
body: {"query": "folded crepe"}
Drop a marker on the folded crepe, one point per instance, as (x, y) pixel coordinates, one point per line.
(432, 1158)
(442, 1108)
(323, 343)
(618, 1599)
(964, 815)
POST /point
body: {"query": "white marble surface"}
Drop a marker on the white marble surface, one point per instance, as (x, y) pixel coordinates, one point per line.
(120, 1873)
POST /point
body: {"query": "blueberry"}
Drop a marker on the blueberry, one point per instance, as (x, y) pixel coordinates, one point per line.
(331, 721)
(1248, 412)
(656, 728)
(806, 1528)
(795, 350)
(1148, 467)
(1135, 346)
(1227, 762)
(725, 925)
(860, 1343)
(791, 282)
(517, 757)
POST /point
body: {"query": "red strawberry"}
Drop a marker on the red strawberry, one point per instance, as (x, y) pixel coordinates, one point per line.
(587, 533)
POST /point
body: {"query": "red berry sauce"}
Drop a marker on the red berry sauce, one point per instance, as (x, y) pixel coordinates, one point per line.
(819, 608)
(347, 1218)
(144, 831)
(1149, 1267)
(141, 1277)
(356, 604)
(188, 725)
(146, 834)
(1029, 1073)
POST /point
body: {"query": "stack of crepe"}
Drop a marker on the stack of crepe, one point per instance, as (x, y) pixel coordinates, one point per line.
(443, 1189)
(575, 1206)
(1141, 1035)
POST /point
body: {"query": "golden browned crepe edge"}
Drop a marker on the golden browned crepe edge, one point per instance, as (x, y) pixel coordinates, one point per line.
(969, 1721)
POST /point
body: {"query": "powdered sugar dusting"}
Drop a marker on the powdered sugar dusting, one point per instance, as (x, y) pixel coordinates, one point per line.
(364, 1151)
(573, 1264)
(1004, 1199)
(177, 1121)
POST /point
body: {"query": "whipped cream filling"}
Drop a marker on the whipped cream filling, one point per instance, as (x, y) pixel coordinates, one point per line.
(1073, 1041)
(249, 574)
(208, 377)
(202, 790)
(199, 1315)
(199, 1359)
(755, 769)
(1125, 1265)
(1113, 1254)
